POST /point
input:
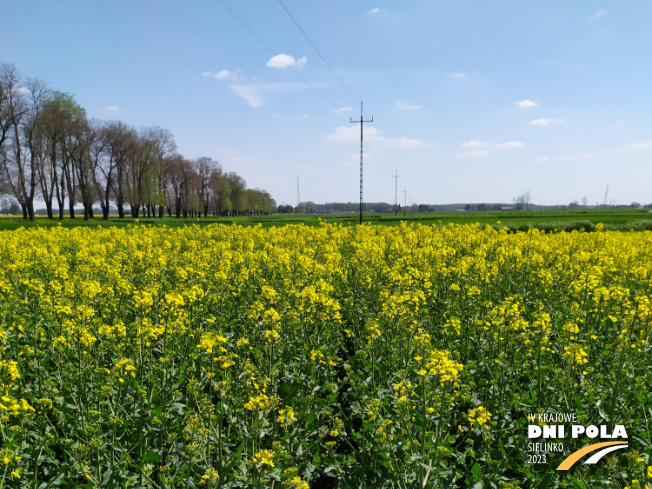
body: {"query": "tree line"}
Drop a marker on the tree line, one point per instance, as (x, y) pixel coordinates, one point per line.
(51, 152)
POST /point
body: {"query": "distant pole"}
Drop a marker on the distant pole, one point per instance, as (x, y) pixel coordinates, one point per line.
(362, 121)
(396, 176)
(298, 196)
(405, 199)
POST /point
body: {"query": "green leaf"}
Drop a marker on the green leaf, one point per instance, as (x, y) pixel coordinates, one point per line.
(477, 473)
(106, 478)
(152, 457)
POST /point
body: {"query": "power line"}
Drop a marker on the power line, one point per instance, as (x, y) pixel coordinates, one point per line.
(328, 65)
(274, 53)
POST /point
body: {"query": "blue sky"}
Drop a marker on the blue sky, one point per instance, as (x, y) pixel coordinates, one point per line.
(472, 101)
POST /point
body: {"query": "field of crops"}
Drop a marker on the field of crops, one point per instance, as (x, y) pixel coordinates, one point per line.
(322, 356)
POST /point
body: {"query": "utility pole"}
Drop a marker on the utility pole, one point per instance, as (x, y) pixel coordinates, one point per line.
(362, 121)
(298, 196)
(396, 176)
(404, 200)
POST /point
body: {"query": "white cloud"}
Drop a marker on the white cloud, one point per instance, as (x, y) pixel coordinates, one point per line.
(225, 74)
(350, 134)
(222, 75)
(545, 122)
(524, 104)
(641, 145)
(403, 106)
(597, 14)
(543, 158)
(458, 75)
(341, 110)
(250, 93)
(481, 153)
(475, 144)
(374, 11)
(403, 143)
(285, 60)
(510, 145)
(113, 108)
(21, 91)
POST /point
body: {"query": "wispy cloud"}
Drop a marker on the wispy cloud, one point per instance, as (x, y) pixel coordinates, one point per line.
(113, 108)
(222, 75)
(341, 110)
(285, 60)
(374, 11)
(348, 134)
(597, 15)
(353, 160)
(403, 106)
(257, 94)
(641, 145)
(545, 122)
(250, 93)
(510, 145)
(458, 75)
(475, 144)
(525, 104)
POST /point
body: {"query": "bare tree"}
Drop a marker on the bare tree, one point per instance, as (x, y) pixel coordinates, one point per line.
(121, 145)
(139, 172)
(17, 164)
(164, 149)
(78, 145)
(183, 187)
(205, 168)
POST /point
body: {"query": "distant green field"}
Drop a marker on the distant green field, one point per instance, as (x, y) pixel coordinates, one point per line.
(623, 219)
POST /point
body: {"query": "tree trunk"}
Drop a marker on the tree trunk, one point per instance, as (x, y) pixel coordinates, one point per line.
(71, 204)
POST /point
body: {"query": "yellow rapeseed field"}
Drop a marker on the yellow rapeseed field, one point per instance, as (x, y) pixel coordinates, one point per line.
(325, 356)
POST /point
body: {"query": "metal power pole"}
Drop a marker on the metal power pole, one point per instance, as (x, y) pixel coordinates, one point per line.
(396, 176)
(362, 121)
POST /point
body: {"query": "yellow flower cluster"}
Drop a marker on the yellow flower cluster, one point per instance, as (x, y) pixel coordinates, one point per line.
(480, 416)
(286, 416)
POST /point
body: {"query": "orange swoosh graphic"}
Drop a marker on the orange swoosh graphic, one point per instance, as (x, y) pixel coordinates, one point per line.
(575, 456)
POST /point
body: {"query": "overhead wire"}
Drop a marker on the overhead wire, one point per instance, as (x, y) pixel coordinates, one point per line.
(274, 53)
(323, 58)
